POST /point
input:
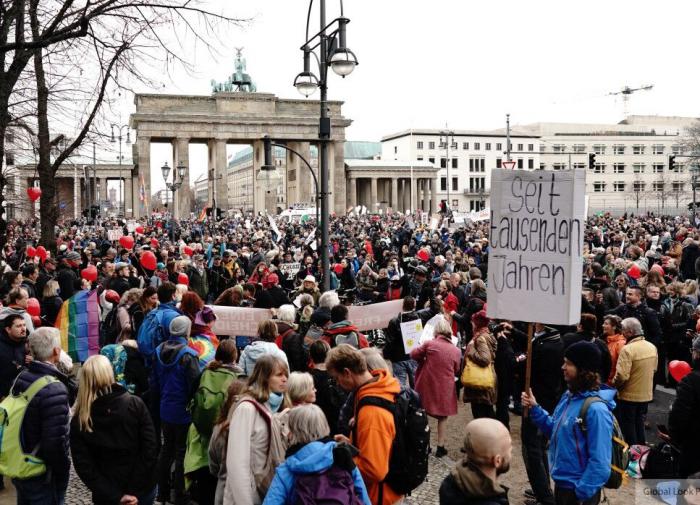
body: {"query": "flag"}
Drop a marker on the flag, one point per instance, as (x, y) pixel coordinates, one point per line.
(79, 323)
(142, 192)
(273, 225)
(202, 215)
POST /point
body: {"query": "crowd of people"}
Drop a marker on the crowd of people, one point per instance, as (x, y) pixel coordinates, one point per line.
(167, 410)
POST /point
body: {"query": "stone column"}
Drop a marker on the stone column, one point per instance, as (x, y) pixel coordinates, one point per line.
(76, 194)
(394, 194)
(373, 199)
(181, 150)
(415, 191)
(142, 207)
(220, 183)
(305, 189)
(404, 193)
(433, 195)
(103, 189)
(352, 192)
(336, 153)
(128, 195)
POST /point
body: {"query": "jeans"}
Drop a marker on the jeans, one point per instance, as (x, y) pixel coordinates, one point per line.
(631, 417)
(534, 446)
(38, 491)
(564, 496)
(173, 450)
(405, 373)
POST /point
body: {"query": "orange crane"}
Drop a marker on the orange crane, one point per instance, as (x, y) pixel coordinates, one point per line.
(626, 92)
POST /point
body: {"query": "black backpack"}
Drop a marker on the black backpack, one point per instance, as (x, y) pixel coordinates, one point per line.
(408, 461)
(110, 328)
(663, 462)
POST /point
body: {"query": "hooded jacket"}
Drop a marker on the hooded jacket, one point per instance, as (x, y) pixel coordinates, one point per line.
(12, 354)
(314, 457)
(374, 435)
(578, 460)
(8, 311)
(467, 485)
(344, 332)
(175, 380)
(252, 352)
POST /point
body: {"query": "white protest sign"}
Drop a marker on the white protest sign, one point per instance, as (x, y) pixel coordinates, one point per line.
(428, 332)
(113, 235)
(289, 269)
(374, 316)
(410, 333)
(536, 242)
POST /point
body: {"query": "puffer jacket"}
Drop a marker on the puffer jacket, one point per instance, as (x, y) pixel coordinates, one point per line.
(578, 460)
(12, 355)
(252, 352)
(314, 457)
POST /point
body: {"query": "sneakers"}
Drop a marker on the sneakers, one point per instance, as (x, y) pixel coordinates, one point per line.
(441, 451)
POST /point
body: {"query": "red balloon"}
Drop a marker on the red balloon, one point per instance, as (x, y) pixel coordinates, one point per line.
(154, 243)
(33, 193)
(183, 279)
(423, 255)
(148, 260)
(139, 229)
(31, 252)
(188, 250)
(41, 252)
(678, 369)
(126, 241)
(36, 321)
(33, 307)
(89, 273)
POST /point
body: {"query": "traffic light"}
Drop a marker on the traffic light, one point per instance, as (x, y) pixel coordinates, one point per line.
(591, 160)
(209, 211)
(219, 214)
(671, 162)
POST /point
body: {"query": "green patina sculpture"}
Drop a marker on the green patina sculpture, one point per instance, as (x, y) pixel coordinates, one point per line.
(238, 81)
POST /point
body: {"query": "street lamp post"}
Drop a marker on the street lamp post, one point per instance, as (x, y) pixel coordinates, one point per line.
(447, 140)
(122, 181)
(178, 179)
(332, 52)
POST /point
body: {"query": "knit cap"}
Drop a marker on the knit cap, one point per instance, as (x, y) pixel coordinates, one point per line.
(180, 327)
(584, 355)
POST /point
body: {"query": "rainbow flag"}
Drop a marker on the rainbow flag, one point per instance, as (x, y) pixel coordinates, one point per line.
(202, 215)
(79, 323)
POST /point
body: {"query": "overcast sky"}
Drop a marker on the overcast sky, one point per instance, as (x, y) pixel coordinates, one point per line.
(466, 64)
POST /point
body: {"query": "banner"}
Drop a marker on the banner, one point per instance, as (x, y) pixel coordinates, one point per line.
(536, 243)
(243, 321)
(289, 270)
(113, 235)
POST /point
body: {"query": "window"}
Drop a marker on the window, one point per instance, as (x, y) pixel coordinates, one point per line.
(431, 160)
(471, 164)
(531, 147)
(419, 144)
(499, 163)
(454, 163)
(599, 168)
(638, 186)
(419, 158)
(677, 187)
(477, 146)
(477, 164)
(618, 168)
(530, 163)
(443, 183)
(10, 158)
(658, 186)
(541, 166)
(677, 167)
(657, 168)
(482, 164)
(559, 148)
(676, 149)
(598, 187)
(619, 186)
(465, 145)
(520, 163)
(599, 148)
(431, 145)
(9, 138)
(657, 149)
(520, 147)
(638, 168)
(579, 166)
(455, 203)
(543, 148)
(618, 149)
(396, 149)
(443, 162)
(499, 146)
(638, 149)
(578, 148)
(559, 166)
(454, 184)
(488, 146)
(476, 184)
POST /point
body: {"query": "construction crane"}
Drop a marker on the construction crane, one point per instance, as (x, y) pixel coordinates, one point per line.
(626, 92)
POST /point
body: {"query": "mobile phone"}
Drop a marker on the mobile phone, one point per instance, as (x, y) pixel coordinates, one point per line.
(662, 428)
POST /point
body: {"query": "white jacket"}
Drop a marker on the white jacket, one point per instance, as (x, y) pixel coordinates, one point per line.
(252, 352)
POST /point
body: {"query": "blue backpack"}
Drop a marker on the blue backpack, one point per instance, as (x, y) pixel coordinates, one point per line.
(151, 333)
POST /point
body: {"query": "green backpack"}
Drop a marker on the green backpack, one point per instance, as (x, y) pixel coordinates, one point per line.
(14, 462)
(619, 458)
(209, 397)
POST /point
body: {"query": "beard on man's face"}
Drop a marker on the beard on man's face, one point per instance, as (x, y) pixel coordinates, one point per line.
(503, 468)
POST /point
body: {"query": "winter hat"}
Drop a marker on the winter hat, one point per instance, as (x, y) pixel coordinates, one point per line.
(480, 319)
(270, 280)
(205, 316)
(585, 355)
(180, 327)
(73, 256)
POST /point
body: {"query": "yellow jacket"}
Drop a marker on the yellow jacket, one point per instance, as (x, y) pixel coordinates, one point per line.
(634, 374)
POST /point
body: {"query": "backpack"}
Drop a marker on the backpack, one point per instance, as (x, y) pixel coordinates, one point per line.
(662, 462)
(620, 450)
(110, 328)
(333, 486)
(151, 333)
(209, 397)
(14, 462)
(408, 460)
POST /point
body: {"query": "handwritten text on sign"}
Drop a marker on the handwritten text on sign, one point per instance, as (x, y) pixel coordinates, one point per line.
(536, 236)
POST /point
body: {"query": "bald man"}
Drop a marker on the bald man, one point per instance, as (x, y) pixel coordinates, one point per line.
(487, 453)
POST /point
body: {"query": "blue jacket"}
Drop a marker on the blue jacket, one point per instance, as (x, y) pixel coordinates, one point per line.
(312, 458)
(170, 312)
(175, 376)
(577, 461)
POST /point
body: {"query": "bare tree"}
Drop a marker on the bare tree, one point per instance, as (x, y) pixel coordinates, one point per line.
(81, 52)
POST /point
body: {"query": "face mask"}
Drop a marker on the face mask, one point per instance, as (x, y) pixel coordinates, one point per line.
(275, 401)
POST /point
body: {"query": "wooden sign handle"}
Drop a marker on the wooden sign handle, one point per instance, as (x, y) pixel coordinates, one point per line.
(528, 362)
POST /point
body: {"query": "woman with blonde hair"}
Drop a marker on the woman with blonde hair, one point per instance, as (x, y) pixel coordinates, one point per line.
(50, 303)
(129, 298)
(301, 389)
(255, 445)
(112, 439)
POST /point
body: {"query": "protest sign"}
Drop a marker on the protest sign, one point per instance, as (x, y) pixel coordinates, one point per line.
(289, 270)
(113, 235)
(374, 316)
(410, 333)
(536, 243)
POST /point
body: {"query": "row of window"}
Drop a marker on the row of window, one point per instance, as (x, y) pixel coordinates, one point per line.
(617, 149)
(476, 146)
(479, 164)
(621, 186)
(637, 168)
(476, 184)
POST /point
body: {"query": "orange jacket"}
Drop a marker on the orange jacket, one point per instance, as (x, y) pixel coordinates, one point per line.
(615, 344)
(375, 435)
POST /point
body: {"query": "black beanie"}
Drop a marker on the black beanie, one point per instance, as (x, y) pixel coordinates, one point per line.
(584, 355)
